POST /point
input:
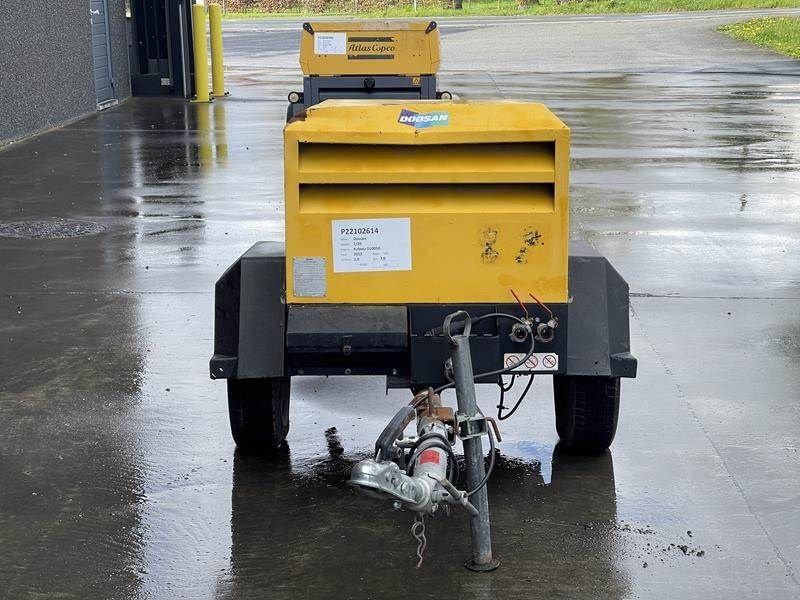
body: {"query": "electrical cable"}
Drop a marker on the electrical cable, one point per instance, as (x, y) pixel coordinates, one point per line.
(543, 305)
(452, 467)
(497, 372)
(506, 388)
(440, 442)
(425, 436)
(502, 407)
(491, 464)
(419, 398)
(505, 369)
(521, 305)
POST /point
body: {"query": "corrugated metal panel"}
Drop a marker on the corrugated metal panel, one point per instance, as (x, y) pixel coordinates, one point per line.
(101, 52)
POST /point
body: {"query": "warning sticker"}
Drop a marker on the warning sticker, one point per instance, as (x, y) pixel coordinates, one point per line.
(429, 456)
(309, 276)
(330, 42)
(371, 245)
(538, 361)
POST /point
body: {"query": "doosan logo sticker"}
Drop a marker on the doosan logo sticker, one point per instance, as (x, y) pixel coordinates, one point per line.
(423, 120)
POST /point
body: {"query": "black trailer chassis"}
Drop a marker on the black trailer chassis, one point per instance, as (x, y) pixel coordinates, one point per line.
(260, 342)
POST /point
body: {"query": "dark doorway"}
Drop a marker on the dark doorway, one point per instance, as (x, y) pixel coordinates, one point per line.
(161, 48)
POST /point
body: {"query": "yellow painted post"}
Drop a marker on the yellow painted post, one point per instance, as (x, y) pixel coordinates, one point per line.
(217, 65)
(200, 53)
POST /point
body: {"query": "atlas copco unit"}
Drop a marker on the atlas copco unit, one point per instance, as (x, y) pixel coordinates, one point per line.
(427, 241)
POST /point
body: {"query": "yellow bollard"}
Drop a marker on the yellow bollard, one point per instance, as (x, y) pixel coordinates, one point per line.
(217, 66)
(200, 53)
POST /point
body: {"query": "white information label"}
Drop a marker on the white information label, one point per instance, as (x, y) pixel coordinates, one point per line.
(308, 276)
(330, 42)
(538, 361)
(371, 245)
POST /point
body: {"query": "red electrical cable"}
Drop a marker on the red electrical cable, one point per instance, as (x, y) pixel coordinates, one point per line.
(542, 304)
(521, 305)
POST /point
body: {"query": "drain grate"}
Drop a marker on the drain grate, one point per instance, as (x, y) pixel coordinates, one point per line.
(50, 229)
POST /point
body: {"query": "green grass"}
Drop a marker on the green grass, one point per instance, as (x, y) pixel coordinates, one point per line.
(781, 34)
(544, 7)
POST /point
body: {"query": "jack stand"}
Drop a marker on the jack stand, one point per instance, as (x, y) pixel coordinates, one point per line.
(482, 559)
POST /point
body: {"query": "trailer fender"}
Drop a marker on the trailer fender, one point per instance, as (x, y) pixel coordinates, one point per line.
(598, 337)
(250, 315)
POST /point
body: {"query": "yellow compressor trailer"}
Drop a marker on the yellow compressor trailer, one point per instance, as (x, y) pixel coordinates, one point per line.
(427, 241)
(367, 59)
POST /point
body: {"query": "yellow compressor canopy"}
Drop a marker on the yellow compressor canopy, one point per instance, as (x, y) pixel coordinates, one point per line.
(392, 202)
(370, 48)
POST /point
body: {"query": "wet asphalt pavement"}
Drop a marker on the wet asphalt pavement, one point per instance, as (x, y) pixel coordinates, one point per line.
(118, 477)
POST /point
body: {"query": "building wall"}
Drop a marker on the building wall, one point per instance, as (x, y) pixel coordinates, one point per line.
(119, 48)
(46, 68)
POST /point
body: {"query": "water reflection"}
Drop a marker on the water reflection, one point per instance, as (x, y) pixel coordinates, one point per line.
(297, 530)
(72, 480)
(173, 173)
(220, 133)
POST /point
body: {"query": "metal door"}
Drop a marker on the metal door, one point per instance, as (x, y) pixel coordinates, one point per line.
(101, 53)
(161, 48)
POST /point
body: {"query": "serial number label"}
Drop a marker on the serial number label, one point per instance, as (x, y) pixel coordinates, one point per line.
(358, 230)
(330, 42)
(362, 245)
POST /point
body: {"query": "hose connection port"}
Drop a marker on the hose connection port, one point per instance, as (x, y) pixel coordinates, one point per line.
(545, 332)
(519, 332)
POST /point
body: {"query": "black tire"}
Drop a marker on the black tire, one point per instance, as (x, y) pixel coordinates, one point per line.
(259, 413)
(293, 110)
(587, 410)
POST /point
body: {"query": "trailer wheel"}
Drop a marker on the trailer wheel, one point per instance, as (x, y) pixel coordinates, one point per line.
(259, 412)
(293, 110)
(587, 409)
